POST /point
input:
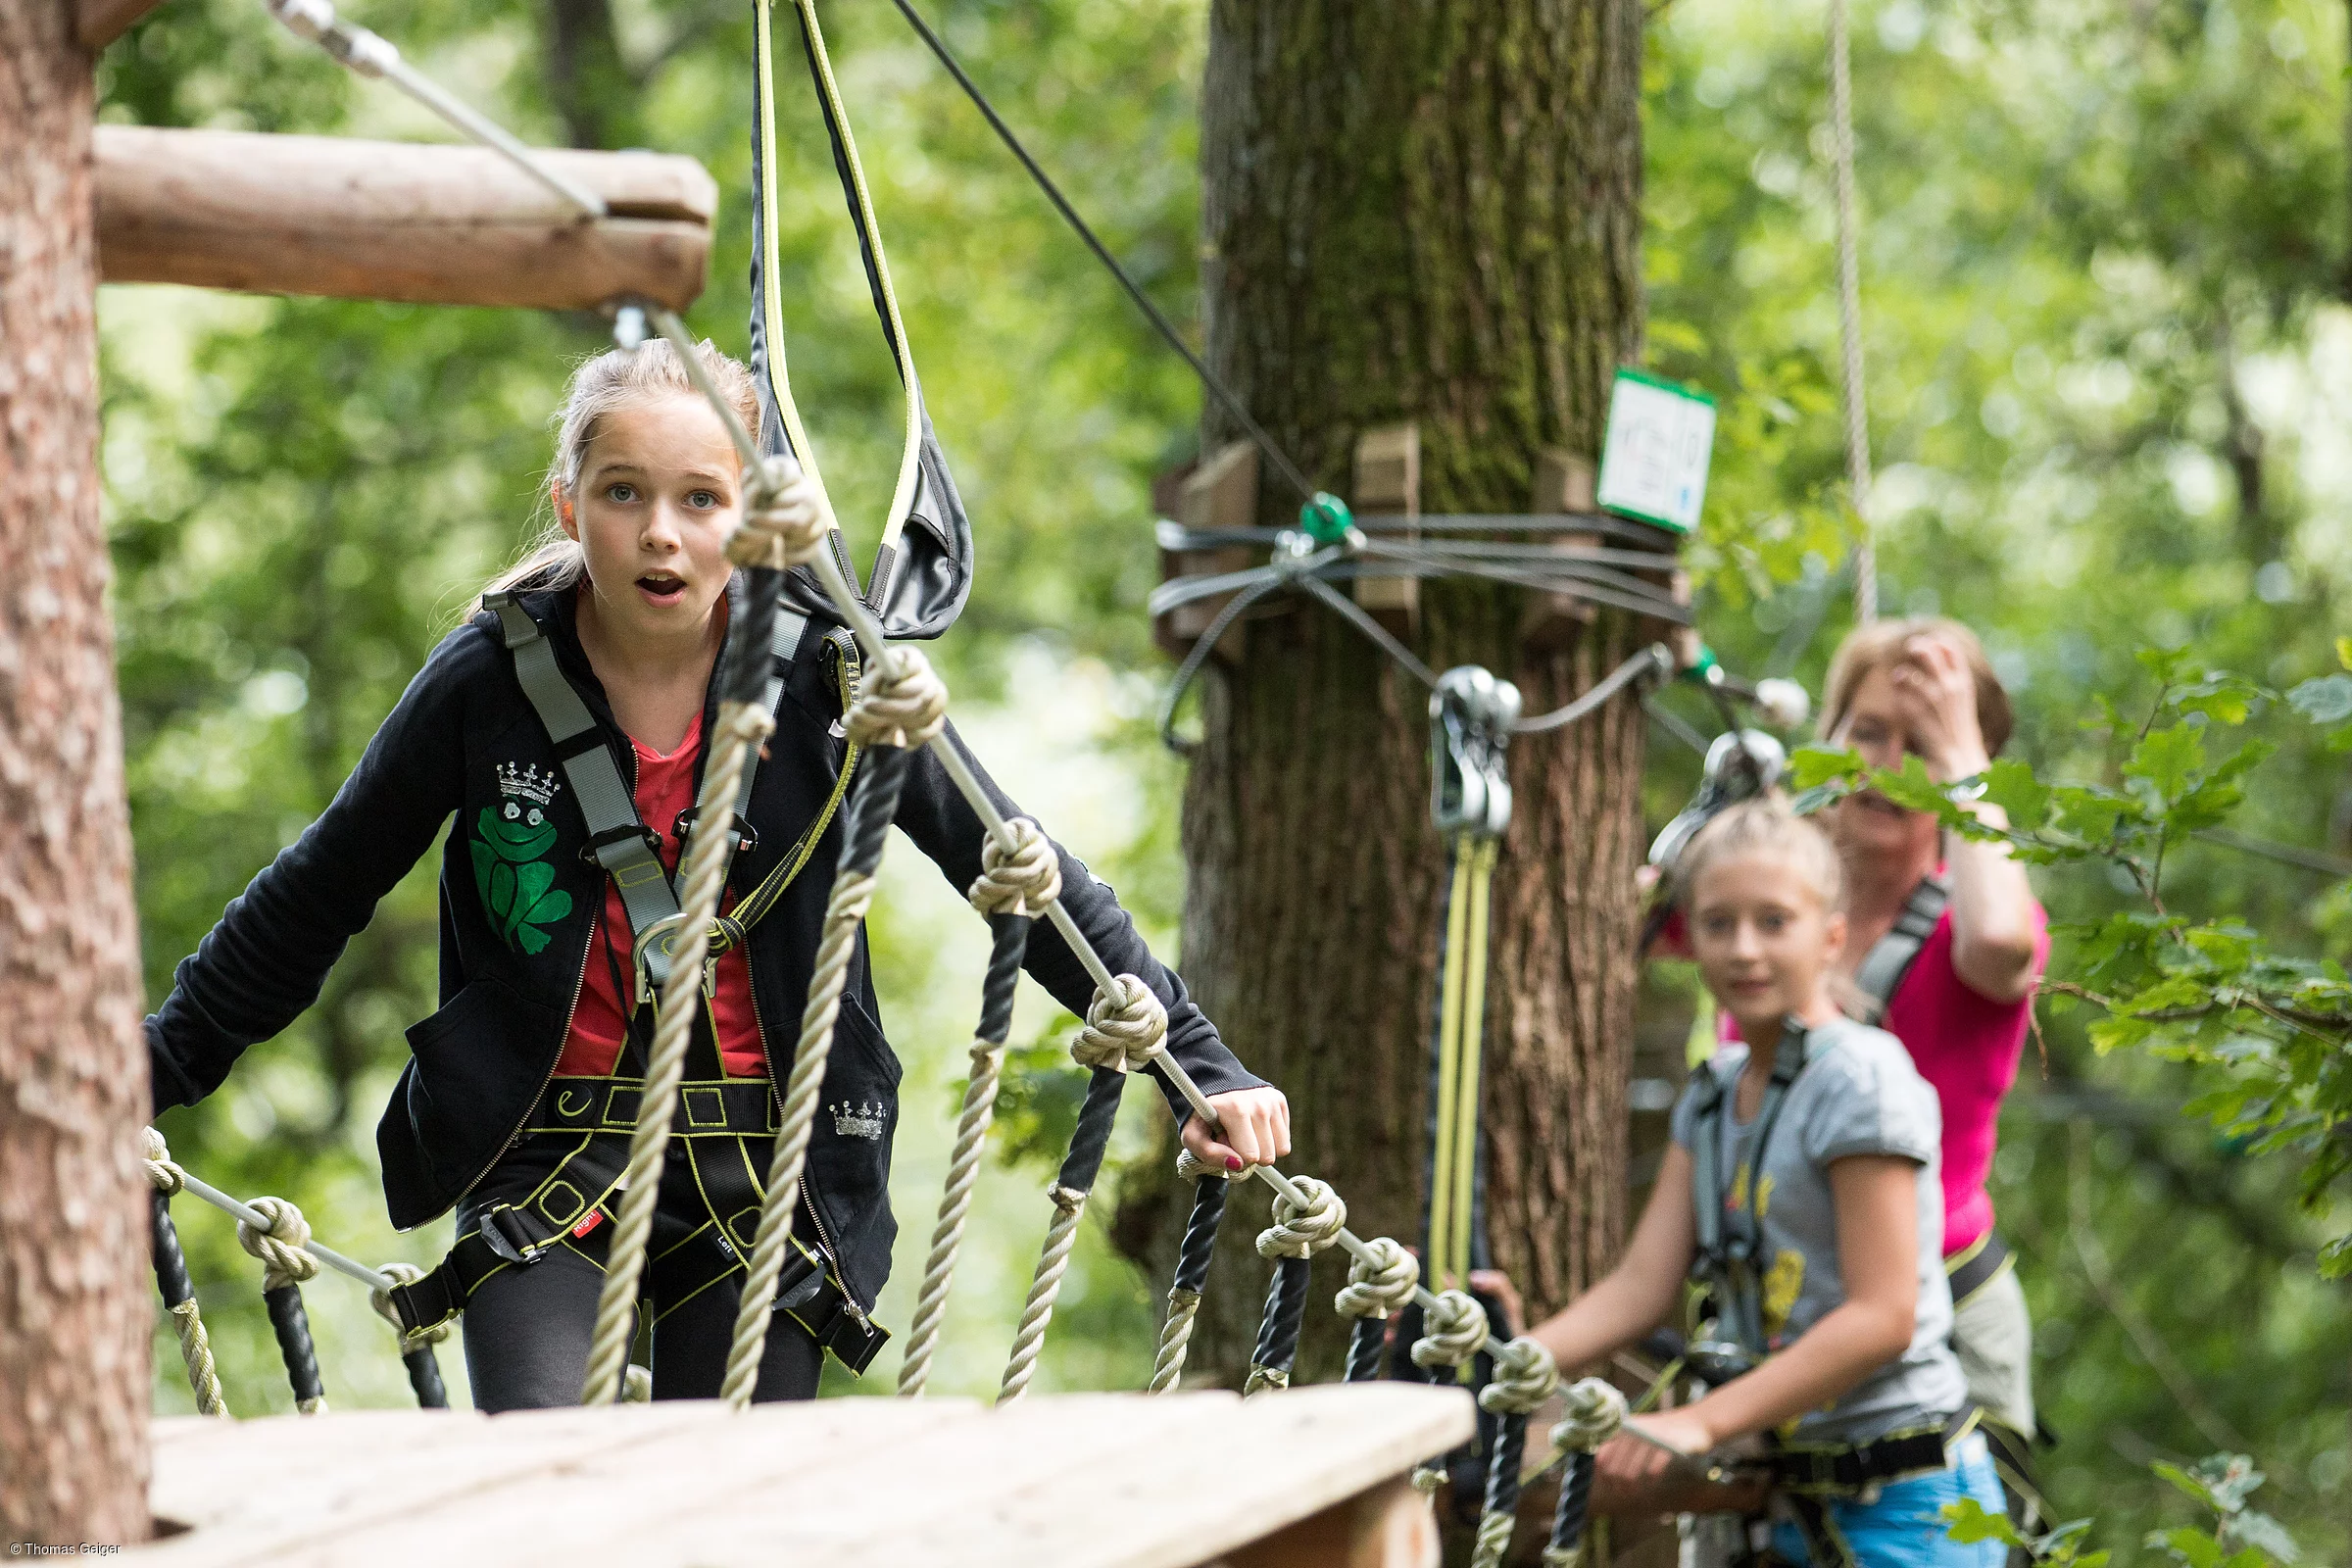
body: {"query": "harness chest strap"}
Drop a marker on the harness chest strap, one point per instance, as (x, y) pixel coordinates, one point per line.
(618, 840)
(1890, 959)
(1723, 1261)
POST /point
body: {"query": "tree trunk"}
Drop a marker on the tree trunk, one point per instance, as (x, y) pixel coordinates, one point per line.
(1420, 209)
(74, 1297)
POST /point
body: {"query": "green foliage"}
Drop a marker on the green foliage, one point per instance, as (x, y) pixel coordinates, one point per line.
(2241, 1536)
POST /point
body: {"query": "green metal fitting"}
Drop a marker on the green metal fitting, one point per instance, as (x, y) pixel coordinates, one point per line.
(1326, 518)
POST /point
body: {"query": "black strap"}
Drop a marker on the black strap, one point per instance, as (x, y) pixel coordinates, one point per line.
(1837, 1469)
(1972, 1271)
(1890, 959)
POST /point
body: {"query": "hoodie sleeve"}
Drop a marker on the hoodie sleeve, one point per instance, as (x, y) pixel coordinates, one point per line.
(943, 823)
(266, 961)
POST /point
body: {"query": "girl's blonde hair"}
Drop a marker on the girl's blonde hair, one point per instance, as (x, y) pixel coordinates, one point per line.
(602, 385)
(1765, 827)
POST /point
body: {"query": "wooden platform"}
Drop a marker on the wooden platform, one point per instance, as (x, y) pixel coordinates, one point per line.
(1312, 1477)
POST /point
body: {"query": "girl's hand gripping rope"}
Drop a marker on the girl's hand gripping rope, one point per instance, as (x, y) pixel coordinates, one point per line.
(1253, 1128)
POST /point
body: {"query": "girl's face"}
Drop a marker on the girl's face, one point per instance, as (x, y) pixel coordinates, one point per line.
(1866, 826)
(1763, 939)
(656, 502)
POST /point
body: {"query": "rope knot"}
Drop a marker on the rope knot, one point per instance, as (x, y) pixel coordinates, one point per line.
(154, 1153)
(280, 1246)
(784, 518)
(1456, 1327)
(1524, 1376)
(903, 702)
(1381, 1284)
(1125, 1027)
(1069, 1200)
(1022, 880)
(1303, 1229)
(381, 1300)
(1594, 1410)
(1192, 1167)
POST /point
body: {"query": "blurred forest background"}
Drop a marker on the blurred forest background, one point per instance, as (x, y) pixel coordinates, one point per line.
(2106, 269)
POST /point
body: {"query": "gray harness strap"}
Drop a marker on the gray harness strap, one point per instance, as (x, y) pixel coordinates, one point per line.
(1890, 959)
(618, 840)
(1728, 1255)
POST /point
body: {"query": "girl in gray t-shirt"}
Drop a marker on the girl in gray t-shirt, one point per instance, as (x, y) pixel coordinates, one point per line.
(1818, 1143)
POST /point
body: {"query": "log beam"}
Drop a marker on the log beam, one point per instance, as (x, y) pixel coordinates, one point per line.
(396, 220)
(99, 22)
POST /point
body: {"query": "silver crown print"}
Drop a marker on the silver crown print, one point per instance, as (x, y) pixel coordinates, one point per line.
(527, 783)
(858, 1121)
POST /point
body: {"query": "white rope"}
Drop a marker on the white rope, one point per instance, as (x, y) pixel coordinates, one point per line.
(1038, 1312)
(1022, 880)
(1594, 1413)
(1126, 1029)
(1849, 322)
(741, 726)
(279, 1242)
(1382, 1285)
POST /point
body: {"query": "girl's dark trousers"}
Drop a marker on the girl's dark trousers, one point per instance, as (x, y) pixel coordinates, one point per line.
(527, 1328)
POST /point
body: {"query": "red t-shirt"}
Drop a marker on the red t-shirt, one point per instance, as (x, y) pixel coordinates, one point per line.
(598, 1026)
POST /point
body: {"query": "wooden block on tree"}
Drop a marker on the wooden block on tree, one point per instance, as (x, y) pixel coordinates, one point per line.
(424, 225)
(99, 22)
(1388, 480)
(1220, 492)
(1550, 622)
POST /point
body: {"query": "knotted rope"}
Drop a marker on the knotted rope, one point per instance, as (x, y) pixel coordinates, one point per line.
(903, 702)
(415, 1346)
(1126, 1026)
(1007, 903)
(1377, 1287)
(742, 727)
(1593, 1414)
(1211, 1185)
(171, 1280)
(1524, 1376)
(874, 803)
(1022, 880)
(1302, 1227)
(285, 1266)
(784, 518)
(1455, 1328)
(1123, 1032)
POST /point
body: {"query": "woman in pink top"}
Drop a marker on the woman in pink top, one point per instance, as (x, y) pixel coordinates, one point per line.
(1963, 1002)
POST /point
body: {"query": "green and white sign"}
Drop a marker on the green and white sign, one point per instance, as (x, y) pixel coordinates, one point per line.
(1654, 463)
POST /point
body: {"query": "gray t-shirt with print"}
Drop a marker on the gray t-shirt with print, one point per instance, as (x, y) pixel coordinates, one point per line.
(1858, 1094)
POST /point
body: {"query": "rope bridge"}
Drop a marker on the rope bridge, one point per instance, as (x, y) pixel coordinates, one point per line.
(900, 706)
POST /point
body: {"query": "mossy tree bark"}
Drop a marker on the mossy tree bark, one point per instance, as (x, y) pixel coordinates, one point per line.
(1423, 210)
(74, 1318)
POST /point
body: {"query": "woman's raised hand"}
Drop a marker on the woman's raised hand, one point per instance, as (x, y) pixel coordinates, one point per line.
(1253, 1129)
(1938, 697)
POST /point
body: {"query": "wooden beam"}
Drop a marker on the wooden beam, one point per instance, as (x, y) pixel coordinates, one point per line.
(99, 22)
(1550, 623)
(395, 220)
(1388, 480)
(1220, 492)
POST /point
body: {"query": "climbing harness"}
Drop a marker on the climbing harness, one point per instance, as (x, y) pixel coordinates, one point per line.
(1727, 1257)
(1890, 959)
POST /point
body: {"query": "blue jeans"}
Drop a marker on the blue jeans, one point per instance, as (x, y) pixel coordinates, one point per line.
(1904, 1527)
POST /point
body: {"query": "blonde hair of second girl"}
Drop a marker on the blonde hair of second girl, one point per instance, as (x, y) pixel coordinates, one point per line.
(1768, 827)
(601, 385)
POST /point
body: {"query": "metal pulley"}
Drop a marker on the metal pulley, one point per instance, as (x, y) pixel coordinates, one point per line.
(1742, 766)
(1470, 720)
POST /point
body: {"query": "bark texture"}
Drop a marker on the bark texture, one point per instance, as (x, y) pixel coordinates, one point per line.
(74, 1314)
(1419, 210)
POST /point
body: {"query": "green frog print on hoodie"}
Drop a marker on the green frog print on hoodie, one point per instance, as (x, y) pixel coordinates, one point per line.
(510, 858)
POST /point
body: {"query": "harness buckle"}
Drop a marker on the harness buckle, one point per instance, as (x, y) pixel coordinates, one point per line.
(746, 837)
(591, 851)
(502, 1231)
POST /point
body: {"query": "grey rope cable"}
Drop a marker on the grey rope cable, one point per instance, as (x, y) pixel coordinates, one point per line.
(368, 54)
(1226, 397)
(1651, 661)
(1850, 319)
